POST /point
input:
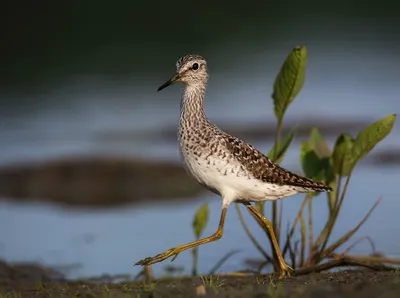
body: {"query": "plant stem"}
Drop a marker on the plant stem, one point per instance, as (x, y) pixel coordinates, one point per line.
(274, 203)
(280, 217)
(310, 228)
(332, 221)
(195, 253)
(339, 185)
(252, 238)
(348, 261)
(296, 220)
(360, 240)
(349, 234)
(277, 137)
(148, 274)
(371, 259)
(260, 207)
(303, 240)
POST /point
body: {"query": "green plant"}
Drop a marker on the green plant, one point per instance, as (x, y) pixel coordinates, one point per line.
(148, 287)
(199, 224)
(212, 282)
(318, 162)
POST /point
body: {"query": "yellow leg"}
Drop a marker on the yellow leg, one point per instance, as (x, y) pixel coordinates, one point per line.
(177, 250)
(285, 269)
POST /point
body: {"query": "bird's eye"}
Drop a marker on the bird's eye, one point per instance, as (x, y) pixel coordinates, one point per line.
(195, 66)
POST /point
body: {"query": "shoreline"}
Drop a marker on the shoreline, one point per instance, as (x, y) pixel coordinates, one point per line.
(31, 280)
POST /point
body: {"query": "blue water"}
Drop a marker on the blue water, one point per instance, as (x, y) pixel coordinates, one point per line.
(106, 116)
(97, 242)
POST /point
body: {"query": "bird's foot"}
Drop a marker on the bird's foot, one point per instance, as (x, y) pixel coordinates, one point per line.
(160, 257)
(286, 271)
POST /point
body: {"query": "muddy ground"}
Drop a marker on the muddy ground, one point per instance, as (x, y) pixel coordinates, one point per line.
(34, 281)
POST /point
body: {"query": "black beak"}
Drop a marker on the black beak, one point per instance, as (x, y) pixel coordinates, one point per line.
(172, 80)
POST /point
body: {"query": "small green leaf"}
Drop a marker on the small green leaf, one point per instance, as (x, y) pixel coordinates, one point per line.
(283, 146)
(290, 80)
(311, 163)
(200, 220)
(318, 143)
(314, 167)
(372, 135)
(343, 162)
(324, 153)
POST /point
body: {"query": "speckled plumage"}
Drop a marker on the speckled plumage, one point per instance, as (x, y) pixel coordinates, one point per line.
(221, 162)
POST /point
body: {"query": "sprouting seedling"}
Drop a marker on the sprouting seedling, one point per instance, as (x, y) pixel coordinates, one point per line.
(200, 221)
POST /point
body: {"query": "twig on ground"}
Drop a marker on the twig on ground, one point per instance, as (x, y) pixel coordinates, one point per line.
(358, 241)
(342, 262)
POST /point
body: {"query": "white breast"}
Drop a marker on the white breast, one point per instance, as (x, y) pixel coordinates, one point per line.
(228, 176)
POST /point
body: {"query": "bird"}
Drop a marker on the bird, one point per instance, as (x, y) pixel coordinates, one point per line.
(224, 164)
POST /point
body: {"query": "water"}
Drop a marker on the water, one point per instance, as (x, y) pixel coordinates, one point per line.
(349, 76)
(92, 243)
(77, 118)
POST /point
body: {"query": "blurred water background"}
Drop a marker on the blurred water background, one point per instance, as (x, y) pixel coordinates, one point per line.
(79, 80)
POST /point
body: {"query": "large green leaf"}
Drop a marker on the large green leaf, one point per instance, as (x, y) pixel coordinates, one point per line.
(343, 162)
(200, 220)
(290, 80)
(282, 147)
(372, 135)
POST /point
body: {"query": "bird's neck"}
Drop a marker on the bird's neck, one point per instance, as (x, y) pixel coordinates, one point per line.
(192, 106)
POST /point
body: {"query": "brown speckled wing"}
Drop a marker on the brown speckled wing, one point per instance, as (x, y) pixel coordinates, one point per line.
(262, 168)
